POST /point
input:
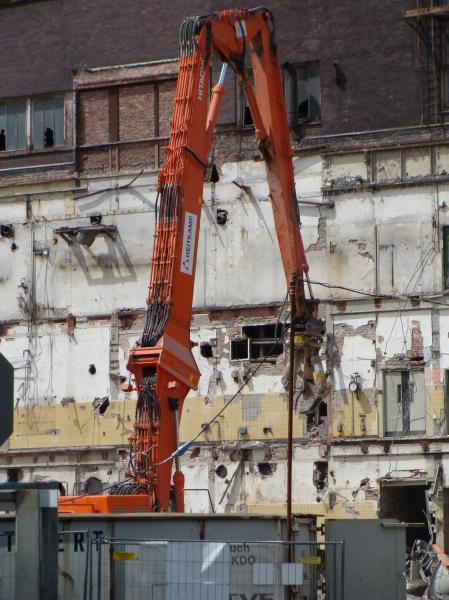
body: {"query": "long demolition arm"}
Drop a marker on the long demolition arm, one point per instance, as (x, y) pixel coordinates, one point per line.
(162, 362)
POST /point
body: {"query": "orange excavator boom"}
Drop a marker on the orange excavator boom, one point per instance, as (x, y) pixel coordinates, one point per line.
(161, 362)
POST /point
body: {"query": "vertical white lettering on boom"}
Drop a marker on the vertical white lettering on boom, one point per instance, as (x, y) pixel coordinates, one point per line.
(201, 81)
(188, 243)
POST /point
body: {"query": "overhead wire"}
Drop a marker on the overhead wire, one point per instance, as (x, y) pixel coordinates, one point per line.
(379, 295)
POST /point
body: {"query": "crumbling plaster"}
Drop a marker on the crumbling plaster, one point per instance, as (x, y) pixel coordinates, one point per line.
(360, 243)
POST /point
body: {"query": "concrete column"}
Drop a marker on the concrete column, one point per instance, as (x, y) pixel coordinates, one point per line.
(36, 564)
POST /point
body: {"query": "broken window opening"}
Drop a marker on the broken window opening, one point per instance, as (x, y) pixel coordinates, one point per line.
(12, 126)
(206, 350)
(14, 475)
(48, 122)
(406, 502)
(240, 349)
(303, 91)
(264, 341)
(320, 474)
(316, 418)
(308, 92)
(405, 402)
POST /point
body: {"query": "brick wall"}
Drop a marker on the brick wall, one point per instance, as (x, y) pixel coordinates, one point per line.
(370, 40)
(136, 112)
(166, 95)
(93, 117)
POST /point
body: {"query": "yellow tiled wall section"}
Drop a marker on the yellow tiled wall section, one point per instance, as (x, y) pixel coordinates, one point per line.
(255, 412)
(55, 426)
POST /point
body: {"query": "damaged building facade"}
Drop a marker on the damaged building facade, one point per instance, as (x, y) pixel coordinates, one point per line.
(84, 118)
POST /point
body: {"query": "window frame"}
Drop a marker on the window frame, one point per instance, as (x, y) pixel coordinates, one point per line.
(290, 78)
(307, 65)
(243, 101)
(244, 105)
(29, 146)
(43, 99)
(259, 343)
(409, 396)
(16, 102)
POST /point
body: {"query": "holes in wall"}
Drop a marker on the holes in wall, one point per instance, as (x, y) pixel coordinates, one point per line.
(14, 475)
(266, 469)
(317, 417)
(93, 485)
(320, 474)
(239, 349)
(195, 452)
(206, 350)
(221, 471)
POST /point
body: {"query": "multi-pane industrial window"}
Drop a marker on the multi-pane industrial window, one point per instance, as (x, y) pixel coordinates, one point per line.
(308, 94)
(13, 126)
(32, 123)
(405, 402)
(48, 122)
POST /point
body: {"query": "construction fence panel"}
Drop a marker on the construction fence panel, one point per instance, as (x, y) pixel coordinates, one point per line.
(212, 570)
(74, 565)
(74, 551)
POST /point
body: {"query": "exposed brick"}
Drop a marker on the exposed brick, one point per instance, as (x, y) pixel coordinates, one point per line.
(136, 112)
(94, 161)
(417, 349)
(372, 43)
(94, 117)
(166, 96)
(137, 156)
(321, 242)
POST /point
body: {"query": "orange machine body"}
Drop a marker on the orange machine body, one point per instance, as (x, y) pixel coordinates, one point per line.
(161, 362)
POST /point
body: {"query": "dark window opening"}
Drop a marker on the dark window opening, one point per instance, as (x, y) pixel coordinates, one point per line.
(239, 349)
(13, 475)
(247, 117)
(303, 92)
(49, 137)
(308, 92)
(13, 126)
(316, 417)
(206, 350)
(405, 402)
(320, 471)
(407, 504)
(265, 341)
